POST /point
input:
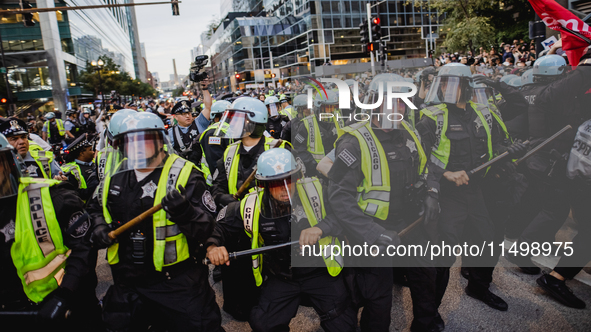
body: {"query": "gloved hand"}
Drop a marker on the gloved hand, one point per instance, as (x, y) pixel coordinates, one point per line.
(387, 238)
(175, 201)
(55, 306)
(431, 210)
(100, 236)
(481, 79)
(517, 150)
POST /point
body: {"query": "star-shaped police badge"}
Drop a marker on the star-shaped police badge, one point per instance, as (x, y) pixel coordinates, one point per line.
(411, 145)
(149, 189)
(478, 123)
(193, 132)
(279, 167)
(32, 169)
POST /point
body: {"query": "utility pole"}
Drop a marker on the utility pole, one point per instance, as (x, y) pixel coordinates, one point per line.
(5, 73)
(272, 75)
(373, 69)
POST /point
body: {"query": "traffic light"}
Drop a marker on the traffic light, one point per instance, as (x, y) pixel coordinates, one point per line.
(370, 47)
(273, 75)
(28, 17)
(3, 100)
(175, 8)
(376, 29)
(237, 76)
(363, 32)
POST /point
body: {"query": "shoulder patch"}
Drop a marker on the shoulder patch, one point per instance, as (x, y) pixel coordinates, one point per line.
(215, 140)
(207, 200)
(75, 230)
(8, 231)
(347, 157)
(222, 214)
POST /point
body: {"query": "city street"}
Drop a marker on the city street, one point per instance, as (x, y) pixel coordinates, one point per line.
(530, 309)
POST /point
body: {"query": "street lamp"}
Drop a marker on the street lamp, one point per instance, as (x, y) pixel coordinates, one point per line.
(98, 66)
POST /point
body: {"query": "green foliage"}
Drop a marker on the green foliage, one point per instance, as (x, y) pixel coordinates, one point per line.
(178, 92)
(111, 78)
(470, 24)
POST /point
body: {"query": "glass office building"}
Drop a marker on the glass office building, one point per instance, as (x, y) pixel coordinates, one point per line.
(303, 34)
(84, 34)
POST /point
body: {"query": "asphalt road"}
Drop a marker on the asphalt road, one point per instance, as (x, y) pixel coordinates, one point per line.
(530, 309)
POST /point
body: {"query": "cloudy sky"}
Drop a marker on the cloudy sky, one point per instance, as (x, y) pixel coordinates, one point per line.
(168, 37)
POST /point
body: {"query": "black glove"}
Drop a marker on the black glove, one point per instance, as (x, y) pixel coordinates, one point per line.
(517, 150)
(55, 306)
(481, 79)
(388, 238)
(431, 209)
(175, 201)
(100, 236)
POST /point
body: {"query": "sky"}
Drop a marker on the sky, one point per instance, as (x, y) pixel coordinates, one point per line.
(168, 37)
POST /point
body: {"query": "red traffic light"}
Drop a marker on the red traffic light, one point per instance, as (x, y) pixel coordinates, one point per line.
(3, 100)
(376, 20)
(273, 75)
(370, 47)
(237, 76)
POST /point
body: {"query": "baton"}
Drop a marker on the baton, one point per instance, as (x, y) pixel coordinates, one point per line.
(249, 252)
(541, 145)
(240, 193)
(490, 162)
(113, 234)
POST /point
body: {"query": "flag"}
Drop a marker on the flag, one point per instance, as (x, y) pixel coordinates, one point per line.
(573, 31)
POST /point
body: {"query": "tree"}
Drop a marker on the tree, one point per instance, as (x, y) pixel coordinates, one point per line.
(111, 78)
(178, 92)
(470, 24)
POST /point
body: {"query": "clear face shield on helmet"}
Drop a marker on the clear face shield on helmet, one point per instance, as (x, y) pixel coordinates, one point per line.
(279, 196)
(273, 110)
(384, 117)
(235, 124)
(142, 150)
(10, 172)
(448, 89)
(327, 109)
(483, 95)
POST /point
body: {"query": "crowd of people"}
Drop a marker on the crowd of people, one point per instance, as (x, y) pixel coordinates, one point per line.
(268, 169)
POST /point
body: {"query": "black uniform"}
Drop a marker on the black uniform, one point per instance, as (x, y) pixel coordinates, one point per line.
(178, 296)
(186, 144)
(284, 286)
(89, 173)
(552, 106)
(375, 283)
(275, 125)
(290, 128)
(328, 136)
(213, 148)
(53, 133)
(79, 281)
(463, 206)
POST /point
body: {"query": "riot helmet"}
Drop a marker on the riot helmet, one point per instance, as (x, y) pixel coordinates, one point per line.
(451, 86)
(246, 116)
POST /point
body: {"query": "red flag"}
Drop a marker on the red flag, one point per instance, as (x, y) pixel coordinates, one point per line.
(572, 29)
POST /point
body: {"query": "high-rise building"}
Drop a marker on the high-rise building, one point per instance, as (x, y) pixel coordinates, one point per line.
(302, 35)
(44, 73)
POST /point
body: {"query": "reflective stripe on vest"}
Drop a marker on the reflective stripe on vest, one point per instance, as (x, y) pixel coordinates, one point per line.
(43, 160)
(250, 211)
(170, 245)
(315, 146)
(60, 127)
(374, 191)
(38, 251)
(310, 194)
(442, 146)
(75, 169)
(232, 160)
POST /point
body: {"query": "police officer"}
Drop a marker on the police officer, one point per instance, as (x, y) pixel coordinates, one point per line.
(569, 98)
(276, 121)
(80, 168)
(266, 216)
(316, 132)
(45, 254)
(103, 159)
(154, 261)
(286, 108)
(53, 129)
(72, 127)
(461, 135)
(546, 204)
(184, 135)
(376, 161)
(87, 125)
(38, 163)
(299, 107)
(244, 120)
(214, 147)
